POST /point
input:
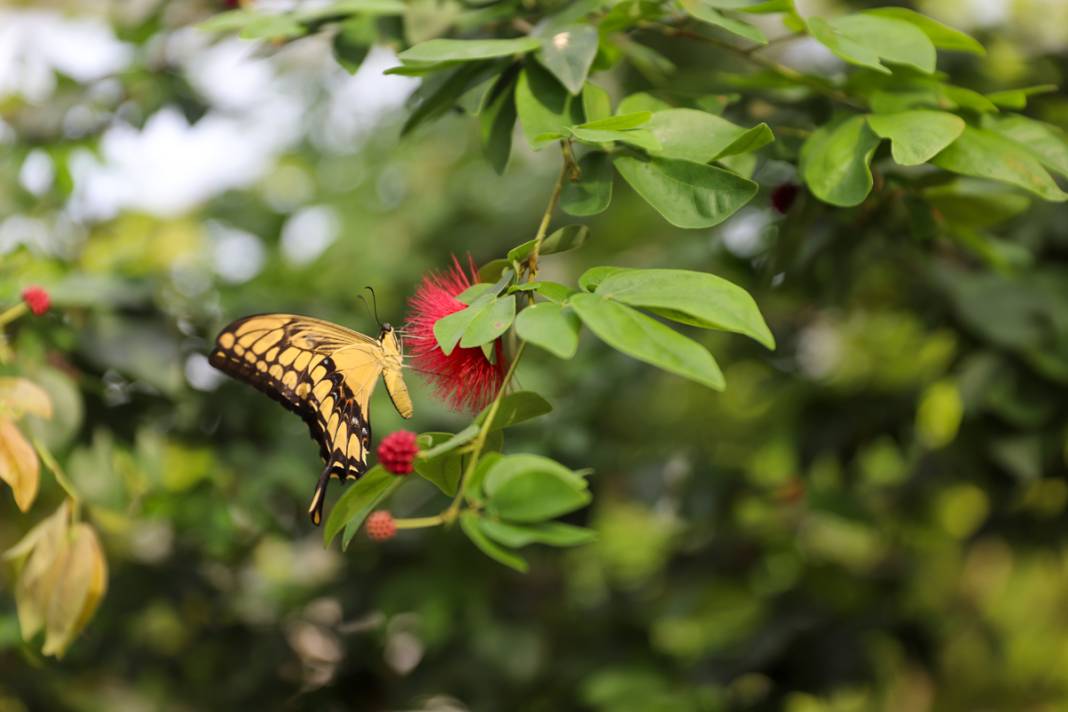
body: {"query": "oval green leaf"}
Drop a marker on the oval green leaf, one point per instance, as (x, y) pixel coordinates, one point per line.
(917, 136)
(835, 161)
(550, 326)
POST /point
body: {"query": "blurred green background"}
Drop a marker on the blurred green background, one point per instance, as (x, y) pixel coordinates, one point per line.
(871, 517)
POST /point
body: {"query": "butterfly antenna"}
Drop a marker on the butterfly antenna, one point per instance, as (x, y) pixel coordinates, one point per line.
(363, 300)
(374, 299)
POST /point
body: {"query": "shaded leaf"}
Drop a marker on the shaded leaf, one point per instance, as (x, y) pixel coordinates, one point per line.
(497, 121)
(686, 194)
(866, 39)
(469, 522)
(700, 137)
(985, 154)
(447, 50)
(358, 500)
(1017, 98)
(916, 136)
(596, 103)
(569, 237)
(568, 53)
(591, 194)
(835, 161)
(1045, 142)
(941, 36)
(646, 339)
(543, 105)
(532, 488)
(703, 10)
(551, 327)
(551, 533)
(516, 408)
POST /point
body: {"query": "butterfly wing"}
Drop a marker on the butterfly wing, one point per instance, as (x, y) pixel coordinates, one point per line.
(321, 371)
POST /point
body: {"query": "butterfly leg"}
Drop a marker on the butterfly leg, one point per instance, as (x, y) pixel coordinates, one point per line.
(316, 507)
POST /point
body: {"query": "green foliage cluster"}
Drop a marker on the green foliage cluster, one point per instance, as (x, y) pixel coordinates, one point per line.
(868, 516)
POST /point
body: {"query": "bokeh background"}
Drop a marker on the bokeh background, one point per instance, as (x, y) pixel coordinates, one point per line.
(870, 517)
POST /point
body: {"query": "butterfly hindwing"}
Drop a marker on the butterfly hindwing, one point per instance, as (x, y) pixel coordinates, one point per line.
(321, 371)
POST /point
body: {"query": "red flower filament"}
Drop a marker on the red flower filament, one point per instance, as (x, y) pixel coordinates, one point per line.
(37, 299)
(465, 378)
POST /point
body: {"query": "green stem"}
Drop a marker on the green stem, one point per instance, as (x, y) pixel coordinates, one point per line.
(547, 216)
(480, 440)
(46, 456)
(12, 313)
(420, 522)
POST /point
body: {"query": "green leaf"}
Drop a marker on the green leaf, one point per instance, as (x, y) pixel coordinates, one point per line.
(515, 408)
(493, 270)
(353, 7)
(619, 122)
(642, 102)
(1017, 98)
(646, 339)
(916, 136)
(473, 487)
(568, 54)
(492, 321)
(941, 36)
(1045, 142)
(228, 21)
(835, 161)
(550, 326)
(596, 103)
(551, 533)
(532, 488)
(434, 98)
(435, 51)
(353, 41)
(694, 298)
(591, 194)
(544, 106)
(476, 290)
(270, 27)
(636, 137)
(975, 203)
(569, 237)
(448, 330)
(359, 499)
(593, 277)
(553, 291)
(689, 195)
(497, 122)
(696, 136)
(437, 463)
(469, 522)
(703, 10)
(866, 39)
(985, 154)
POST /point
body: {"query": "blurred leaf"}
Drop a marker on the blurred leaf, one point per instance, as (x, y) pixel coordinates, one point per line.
(596, 103)
(352, 41)
(689, 195)
(975, 203)
(569, 237)
(469, 522)
(916, 136)
(939, 415)
(835, 161)
(19, 397)
(591, 194)
(531, 488)
(551, 533)
(44, 552)
(646, 339)
(19, 466)
(553, 291)
(1048, 144)
(79, 586)
(942, 36)
(271, 27)
(591, 278)
(437, 444)
(1017, 98)
(642, 101)
(359, 500)
(694, 298)
(985, 154)
(498, 123)
(635, 137)
(434, 98)
(568, 53)
(551, 327)
(438, 463)
(543, 105)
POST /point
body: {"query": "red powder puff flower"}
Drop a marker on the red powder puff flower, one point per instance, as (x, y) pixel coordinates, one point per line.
(380, 525)
(465, 378)
(37, 299)
(397, 451)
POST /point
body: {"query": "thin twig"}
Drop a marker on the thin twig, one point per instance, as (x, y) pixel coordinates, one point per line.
(546, 218)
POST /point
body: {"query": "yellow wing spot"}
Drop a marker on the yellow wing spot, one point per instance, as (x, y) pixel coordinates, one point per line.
(239, 349)
(302, 361)
(248, 339)
(327, 403)
(289, 380)
(287, 356)
(302, 390)
(267, 341)
(250, 325)
(276, 371)
(272, 354)
(250, 357)
(321, 389)
(317, 373)
(226, 340)
(355, 446)
(261, 366)
(331, 427)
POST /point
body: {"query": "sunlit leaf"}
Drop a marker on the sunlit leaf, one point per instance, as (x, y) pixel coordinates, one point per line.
(835, 161)
(551, 327)
(917, 136)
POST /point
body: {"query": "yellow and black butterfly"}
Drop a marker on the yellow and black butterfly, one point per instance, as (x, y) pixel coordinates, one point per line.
(322, 371)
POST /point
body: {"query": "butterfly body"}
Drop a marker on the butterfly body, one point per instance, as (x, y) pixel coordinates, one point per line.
(323, 372)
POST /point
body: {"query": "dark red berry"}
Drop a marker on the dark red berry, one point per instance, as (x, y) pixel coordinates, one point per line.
(397, 452)
(380, 526)
(784, 196)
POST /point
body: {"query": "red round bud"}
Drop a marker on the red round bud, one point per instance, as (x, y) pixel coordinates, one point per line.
(397, 452)
(380, 526)
(37, 299)
(784, 196)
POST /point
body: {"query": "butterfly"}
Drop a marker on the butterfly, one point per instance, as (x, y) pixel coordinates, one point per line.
(323, 372)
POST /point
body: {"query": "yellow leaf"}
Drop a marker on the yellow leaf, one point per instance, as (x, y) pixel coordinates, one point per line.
(20, 397)
(77, 591)
(45, 549)
(18, 464)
